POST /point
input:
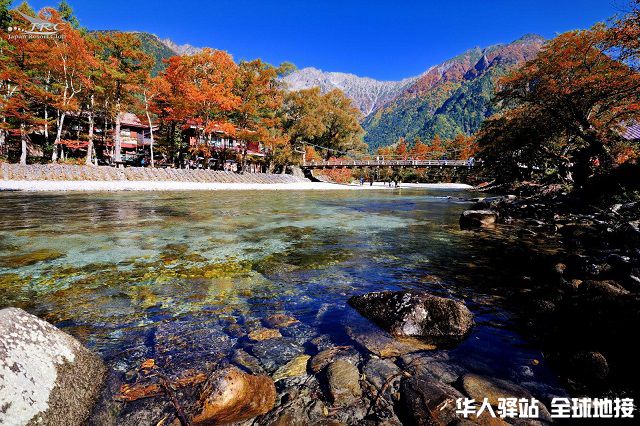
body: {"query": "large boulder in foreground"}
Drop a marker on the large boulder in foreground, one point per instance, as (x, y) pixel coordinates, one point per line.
(230, 395)
(433, 319)
(470, 219)
(46, 376)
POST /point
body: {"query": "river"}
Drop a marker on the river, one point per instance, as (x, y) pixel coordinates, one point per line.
(137, 275)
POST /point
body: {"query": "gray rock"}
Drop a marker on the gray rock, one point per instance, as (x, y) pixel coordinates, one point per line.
(478, 219)
(427, 402)
(327, 356)
(440, 370)
(382, 344)
(480, 387)
(433, 319)
(343, 380)
(46, 376)
(381, 373)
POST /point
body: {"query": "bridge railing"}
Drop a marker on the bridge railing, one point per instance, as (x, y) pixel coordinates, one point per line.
(390, 163)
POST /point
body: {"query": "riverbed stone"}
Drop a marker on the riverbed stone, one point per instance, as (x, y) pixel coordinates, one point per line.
(439, 367)
(260, 334)
(383, 372)
(436, 320)
(294, 368)
(478, 219)
(479, 387)
(382, 344)
(230, 395)
(343, 379)
(274, 353)
(327, 356)
(46, 376)
(428, 402)
(603, 288)
(279, 320)
(248, 362)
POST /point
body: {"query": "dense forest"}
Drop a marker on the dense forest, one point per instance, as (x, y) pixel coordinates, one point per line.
(65, 96)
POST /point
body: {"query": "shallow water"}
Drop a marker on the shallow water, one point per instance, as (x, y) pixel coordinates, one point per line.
(153, 275)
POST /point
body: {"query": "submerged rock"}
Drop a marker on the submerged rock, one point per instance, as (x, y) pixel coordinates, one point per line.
(382, 344)
(478, 219)
(343, 380)
(274, 353)
(247, 362)
(411, 314)
(26, 259)
(230, 395)
(294, 368)
(279, 320)
(46, 376)
(264, 334)
(326, 357)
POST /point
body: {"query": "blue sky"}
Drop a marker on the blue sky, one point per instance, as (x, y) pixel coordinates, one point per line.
(386, 40)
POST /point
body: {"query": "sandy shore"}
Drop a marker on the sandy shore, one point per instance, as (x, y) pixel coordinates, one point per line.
(51, 185)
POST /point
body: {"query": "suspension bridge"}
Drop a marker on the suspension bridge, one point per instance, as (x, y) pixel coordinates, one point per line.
(385, 163)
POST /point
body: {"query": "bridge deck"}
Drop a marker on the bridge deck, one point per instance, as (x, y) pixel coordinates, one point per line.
(337, 164)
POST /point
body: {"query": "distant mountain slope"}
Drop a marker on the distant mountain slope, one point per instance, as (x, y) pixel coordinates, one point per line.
(454, 97)
(160, 51)
(368, 94)
(450, 98)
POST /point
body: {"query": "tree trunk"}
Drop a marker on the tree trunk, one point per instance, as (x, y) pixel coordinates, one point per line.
(46, 126)
(3, 137)
(61, 118)
(54, 153)
(118, 142)
(90, 142)
(150, 136)
(23, 144)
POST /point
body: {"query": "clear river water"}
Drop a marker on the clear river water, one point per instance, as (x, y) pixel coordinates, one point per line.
(141, 275)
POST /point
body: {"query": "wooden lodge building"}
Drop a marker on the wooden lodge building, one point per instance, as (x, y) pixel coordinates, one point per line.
(224, 152)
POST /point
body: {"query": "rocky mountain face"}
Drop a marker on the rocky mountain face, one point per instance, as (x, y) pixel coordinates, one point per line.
(450, 98)
(181, 49)
(367, 94)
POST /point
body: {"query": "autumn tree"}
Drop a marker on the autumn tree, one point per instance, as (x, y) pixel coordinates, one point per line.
(419, 150)
(329, 121)
(125, 70)
(71, 60)
(571, 102)
(200, 90)
(261, 97)
(19, 76)
(462, 147)
(65, 11)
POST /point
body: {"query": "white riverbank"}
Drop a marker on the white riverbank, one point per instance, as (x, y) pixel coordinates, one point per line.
(55, 185)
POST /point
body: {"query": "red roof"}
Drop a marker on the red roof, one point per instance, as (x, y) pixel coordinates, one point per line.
(131, 120)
